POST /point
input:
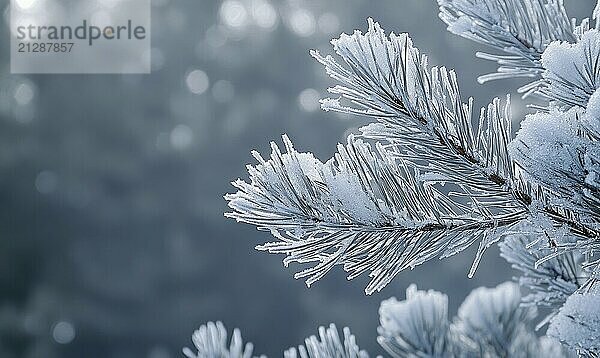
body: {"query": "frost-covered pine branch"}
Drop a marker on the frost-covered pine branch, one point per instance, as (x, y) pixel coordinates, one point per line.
(419, 111)
(560, 151)
(417, 326)
(210, 341)
(328, 344)
(490, 323)
(549, 283)
(539, 41)
(427, 180)
(382, 212)
(496, 322)
(520, 29)
(423, 125)
(361, 209)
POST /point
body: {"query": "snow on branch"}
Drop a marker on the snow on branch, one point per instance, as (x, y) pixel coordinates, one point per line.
(560, 151)
(577, 324)
(572, 70)
(549, 150)
(328, 344)
(521, 29)
(210, 341)
(363, 210)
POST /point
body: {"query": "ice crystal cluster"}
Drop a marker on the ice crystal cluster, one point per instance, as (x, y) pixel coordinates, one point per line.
(428, 178)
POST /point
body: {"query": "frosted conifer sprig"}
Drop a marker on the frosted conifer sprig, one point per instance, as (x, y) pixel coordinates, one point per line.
(362, 209)
(419, 111)
(210, 341)
(549, 149)
(328, 344)
(417, 326)
(422, 119)
(521, 29)
(549, 283)
(436, 181)
(490, 324)
(560, 151)
(383, 213)
(424, 125)
(495, 320)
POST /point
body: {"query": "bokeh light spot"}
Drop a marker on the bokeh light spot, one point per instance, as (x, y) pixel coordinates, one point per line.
(46, 182)
(181, 137)
(24, 94)
(197, 81)
(308, 100)
(264, 14)
(63, 332)
(26, 4)
(233, 13)
(302, 22)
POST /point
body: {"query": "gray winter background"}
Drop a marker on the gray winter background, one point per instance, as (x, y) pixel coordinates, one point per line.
(112, 236)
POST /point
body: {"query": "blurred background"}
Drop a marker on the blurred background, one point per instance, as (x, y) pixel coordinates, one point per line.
(112, 236)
